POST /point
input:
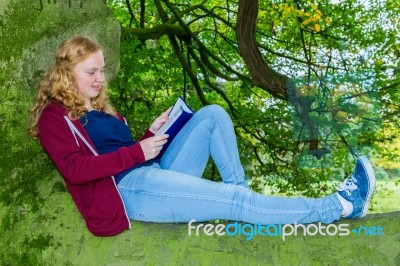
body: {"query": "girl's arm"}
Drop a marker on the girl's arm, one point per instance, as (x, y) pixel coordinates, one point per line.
(73, 162)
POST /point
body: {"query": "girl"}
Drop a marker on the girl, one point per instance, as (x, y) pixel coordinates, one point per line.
(113, 178)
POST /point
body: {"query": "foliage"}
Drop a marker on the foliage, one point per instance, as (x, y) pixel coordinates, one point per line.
(39, 223)
(343, 56)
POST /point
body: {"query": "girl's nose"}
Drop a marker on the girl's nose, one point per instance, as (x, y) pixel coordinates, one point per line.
(100, 76)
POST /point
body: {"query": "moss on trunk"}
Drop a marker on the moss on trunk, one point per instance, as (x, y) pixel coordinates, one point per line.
(55, 234)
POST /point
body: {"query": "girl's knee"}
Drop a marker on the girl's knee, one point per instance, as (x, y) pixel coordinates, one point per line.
(214, 110)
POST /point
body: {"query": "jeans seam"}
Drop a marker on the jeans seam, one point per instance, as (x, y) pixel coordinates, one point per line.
(231, 202)
(227, 149)
(215, 121)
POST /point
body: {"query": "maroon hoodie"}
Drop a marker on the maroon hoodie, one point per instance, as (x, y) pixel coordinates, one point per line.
(89, 178)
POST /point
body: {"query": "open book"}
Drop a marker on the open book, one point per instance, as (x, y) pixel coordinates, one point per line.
(178, 117)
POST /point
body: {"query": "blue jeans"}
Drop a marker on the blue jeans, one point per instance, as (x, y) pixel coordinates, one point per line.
(173, 190)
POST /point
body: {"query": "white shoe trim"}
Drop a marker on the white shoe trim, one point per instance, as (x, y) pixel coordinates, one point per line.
(372, 182)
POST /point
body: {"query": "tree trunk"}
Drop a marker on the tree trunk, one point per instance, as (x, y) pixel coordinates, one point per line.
(262, 74)
(57, 235)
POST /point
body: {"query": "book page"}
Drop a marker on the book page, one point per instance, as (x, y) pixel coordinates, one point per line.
(172, 118)
(179, 107)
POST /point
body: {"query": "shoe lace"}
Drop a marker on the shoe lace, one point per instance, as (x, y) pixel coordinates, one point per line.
(348, 185)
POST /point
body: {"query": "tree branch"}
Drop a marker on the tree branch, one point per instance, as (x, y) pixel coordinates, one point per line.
(201, 45)
(142, 12)
(128, 4)
(180, 56)
(261, 73)
(154, 33)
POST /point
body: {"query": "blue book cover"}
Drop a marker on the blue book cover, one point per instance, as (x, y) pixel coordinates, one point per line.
(178, 117)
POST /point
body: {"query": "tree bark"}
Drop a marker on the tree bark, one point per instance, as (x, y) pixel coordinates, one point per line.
(261, 73)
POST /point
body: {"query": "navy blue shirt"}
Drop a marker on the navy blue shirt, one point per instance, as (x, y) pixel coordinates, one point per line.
(108, 134)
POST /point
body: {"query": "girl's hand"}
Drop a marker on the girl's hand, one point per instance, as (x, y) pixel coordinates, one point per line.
(152, 146)
(159, 121)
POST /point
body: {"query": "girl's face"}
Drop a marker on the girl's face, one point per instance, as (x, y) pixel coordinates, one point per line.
(89, 75)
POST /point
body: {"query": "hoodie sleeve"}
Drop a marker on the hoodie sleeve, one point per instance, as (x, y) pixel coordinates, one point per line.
(76, 163)
(147, 134)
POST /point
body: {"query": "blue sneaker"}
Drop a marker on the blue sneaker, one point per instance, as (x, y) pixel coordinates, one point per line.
(358, 188)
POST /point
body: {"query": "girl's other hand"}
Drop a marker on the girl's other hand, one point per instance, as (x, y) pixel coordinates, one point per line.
(152, 146)
(159, 121)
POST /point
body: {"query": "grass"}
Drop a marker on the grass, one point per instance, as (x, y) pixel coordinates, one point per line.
(387, 196)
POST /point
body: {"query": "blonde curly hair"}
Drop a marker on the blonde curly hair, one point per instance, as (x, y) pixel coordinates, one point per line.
(58, 83)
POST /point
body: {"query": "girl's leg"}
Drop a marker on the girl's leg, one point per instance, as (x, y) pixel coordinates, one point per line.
(209, 132)
(157, 195)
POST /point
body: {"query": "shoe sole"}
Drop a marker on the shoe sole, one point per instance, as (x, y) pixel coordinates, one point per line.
(372, 181)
